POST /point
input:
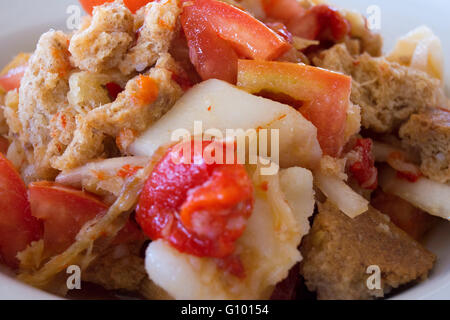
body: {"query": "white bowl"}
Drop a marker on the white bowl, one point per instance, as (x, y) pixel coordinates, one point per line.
(23, 21)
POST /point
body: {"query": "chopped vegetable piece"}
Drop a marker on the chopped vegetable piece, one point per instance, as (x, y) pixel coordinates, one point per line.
(320, 22)
(199, 208)
(18, 228)
(362, 166)
(325, 95)
(64, 212)
(11, 80)
(217, 33)
(133, 5)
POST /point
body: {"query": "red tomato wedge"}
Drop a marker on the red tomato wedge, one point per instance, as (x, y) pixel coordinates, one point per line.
(218, 32)
(4, 145)
(211, 56)
(324, 95)
(133, 5)
(88, 5)
(11, 80)
(320, 22)
(18, 228)
(283, 10)
(199, 208)
(64, 211)
(363, 167)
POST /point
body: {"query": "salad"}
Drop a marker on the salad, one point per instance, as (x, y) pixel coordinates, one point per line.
(236, 149)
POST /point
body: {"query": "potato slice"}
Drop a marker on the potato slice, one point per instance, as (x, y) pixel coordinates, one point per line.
(223, 106)
(268, 247)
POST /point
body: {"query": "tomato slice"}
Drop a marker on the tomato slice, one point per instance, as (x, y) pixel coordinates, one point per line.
(88, 5)
(113, 90)
(218, 32)
(4, 145)
(405, 169)
(283, 10)
(64, 211)
(133, 5)
(18, 228)
(320, 22)
(199, 208)
(250, 37)
(211, 56)
(11, 80)
(323, 95)
(363, 167)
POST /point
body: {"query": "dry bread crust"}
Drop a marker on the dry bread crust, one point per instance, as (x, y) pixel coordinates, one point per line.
(429, 133)
(122, 114)
(119, 268)
(101, 43)
(338, 250)
(387, 92)
(43, 103)
(154, 36)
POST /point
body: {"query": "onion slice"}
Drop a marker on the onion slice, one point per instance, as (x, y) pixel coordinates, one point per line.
(341, 195)
(430, 196)
(108, 167)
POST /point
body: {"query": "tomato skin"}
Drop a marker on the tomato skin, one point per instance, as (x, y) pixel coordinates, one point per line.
(11, 80)
(88, 5)
(64, 211)
(199, 208)
(113, 90)
(4, 145)
(405, 169)
(320, 22)
(364, 170)
(324, 95)
(146, 92)
(250, 37)
(219, 33)
(18, 228)
(283, 10)
(211, 56)
(133, 5)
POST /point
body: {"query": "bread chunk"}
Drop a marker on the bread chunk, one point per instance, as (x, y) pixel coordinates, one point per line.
(155, 36)
(387, 92)
(43, 111)
(119, 268)
(101, 43)
(120, 116)
(338, 250)
(429, 133)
